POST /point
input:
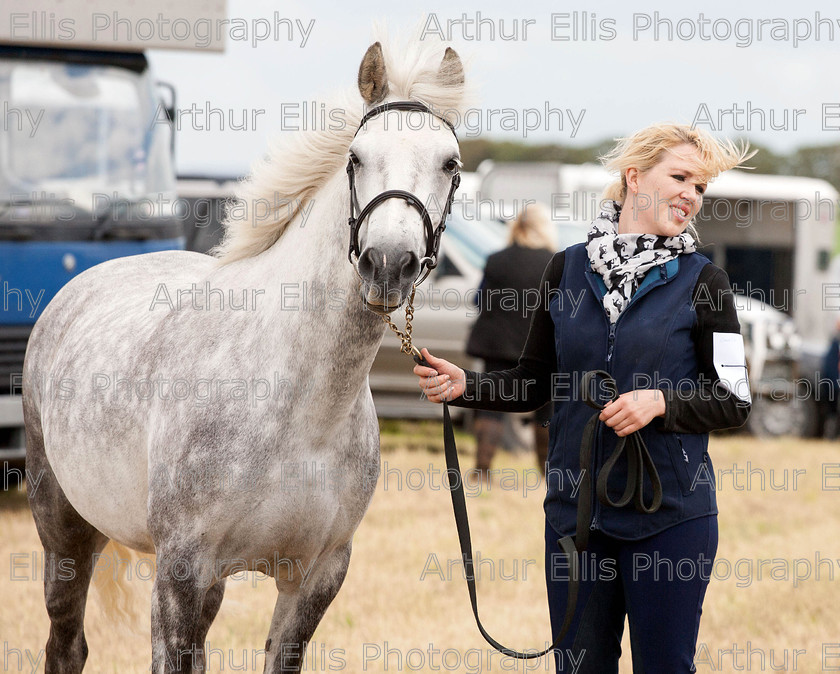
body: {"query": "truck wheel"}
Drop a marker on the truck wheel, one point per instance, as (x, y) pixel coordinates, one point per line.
(813, 423)
(773, 418)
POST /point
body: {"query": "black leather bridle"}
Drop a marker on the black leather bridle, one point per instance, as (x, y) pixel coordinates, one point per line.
(433, 234)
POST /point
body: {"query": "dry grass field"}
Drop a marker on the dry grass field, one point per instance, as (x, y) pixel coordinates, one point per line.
(773, 604)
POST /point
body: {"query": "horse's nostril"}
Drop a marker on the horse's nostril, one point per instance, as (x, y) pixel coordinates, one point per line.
(367, 263)
(409, 266)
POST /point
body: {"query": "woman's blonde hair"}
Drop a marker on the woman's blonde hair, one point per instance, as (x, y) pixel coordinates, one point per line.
(645, 148)
(532, 228)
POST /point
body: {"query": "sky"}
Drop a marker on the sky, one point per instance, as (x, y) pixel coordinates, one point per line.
(541, 72)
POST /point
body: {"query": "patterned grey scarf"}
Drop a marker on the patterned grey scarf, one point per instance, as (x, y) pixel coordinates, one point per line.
(622, 260)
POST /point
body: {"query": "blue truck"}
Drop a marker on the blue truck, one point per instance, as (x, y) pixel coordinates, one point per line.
(87, 173)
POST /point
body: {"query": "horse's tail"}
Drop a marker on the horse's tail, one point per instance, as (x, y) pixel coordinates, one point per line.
(117, 577)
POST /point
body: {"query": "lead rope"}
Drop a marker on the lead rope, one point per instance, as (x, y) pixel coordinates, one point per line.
(459, 506)
(638, 460)
(462, 523)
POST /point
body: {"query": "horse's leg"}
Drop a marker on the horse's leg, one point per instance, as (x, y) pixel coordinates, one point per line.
(209, 609)
(297, 614)
(70, 548)
(177, 608)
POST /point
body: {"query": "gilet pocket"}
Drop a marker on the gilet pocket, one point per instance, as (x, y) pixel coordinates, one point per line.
(681, 462)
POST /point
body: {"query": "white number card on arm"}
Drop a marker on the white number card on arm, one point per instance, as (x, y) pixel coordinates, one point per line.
(731, 363)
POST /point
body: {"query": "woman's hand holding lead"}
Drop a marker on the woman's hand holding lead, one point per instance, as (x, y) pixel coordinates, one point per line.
(441, 382)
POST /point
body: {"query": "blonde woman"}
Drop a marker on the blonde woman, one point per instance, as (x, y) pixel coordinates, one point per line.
(659, 319)
(506, 300)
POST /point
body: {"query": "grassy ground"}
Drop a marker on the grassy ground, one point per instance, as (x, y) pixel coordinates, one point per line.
(772, 604)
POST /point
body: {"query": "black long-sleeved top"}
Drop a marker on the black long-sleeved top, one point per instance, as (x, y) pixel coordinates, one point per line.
(707, 407)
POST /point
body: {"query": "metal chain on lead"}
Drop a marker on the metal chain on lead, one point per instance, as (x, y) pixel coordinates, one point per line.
(405, 337)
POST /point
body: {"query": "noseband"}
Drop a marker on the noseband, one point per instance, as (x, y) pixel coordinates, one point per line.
(433, 234)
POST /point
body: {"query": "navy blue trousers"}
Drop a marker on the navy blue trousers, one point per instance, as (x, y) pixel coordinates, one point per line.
(657, 582)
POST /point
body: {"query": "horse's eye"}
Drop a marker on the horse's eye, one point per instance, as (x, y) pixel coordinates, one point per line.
(451, 165)
(354, 159)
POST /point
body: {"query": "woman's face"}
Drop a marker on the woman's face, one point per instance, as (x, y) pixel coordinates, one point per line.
(664, 199)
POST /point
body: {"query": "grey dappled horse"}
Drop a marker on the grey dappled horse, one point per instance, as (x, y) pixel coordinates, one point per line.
(171, 398)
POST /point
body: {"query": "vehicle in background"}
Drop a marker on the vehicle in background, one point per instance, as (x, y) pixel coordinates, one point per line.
(772, 348)
(775, 236)
(201, 205)
(571, 192)
(87, 170)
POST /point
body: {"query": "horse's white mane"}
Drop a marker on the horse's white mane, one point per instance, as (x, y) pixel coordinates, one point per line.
(298, 166)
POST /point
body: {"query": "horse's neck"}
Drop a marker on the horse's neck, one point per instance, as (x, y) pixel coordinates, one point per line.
(312, 297)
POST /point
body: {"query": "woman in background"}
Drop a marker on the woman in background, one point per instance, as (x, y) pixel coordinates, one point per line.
(507, 297)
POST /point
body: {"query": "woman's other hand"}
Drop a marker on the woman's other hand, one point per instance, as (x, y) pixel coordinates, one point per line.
(633, 410)
(441, 382)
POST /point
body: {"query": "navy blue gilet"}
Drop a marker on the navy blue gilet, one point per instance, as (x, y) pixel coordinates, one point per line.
(648, 347)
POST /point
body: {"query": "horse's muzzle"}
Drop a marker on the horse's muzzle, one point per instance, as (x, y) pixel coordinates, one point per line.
(386, 283)
(381, 301)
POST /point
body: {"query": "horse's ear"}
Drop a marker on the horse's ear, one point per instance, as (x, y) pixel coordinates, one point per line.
(451, 71)
(373, 80)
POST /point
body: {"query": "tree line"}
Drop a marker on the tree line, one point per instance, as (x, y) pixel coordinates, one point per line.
(817, 161)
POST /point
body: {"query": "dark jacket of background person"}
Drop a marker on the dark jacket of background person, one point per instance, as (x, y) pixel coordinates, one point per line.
(502, 326)
(831, 368)
(829, 390)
